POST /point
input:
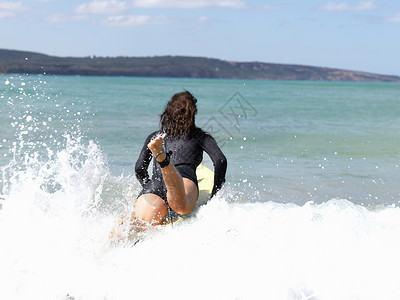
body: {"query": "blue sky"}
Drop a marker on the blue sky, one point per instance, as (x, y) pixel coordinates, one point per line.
(353, 35)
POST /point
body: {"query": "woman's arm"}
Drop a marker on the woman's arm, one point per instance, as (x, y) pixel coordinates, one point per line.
(219, 160)
(143, 162)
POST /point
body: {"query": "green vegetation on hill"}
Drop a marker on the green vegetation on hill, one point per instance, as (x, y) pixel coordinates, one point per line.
(21, 62)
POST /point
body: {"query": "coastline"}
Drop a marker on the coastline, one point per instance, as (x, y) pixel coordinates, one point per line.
(22, 62)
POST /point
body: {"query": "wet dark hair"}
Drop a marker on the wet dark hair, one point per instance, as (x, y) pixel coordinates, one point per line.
(178, 118)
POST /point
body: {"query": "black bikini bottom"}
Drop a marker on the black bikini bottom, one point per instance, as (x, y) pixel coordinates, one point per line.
(157, 186)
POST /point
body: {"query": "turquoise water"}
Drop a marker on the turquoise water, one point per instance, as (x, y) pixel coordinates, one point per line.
(311, 197)
(294, 142)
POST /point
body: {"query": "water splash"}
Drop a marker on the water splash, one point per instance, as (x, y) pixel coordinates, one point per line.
(60, 201)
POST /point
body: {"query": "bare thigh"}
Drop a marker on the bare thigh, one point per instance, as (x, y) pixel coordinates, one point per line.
(192, 194)
(153, 209)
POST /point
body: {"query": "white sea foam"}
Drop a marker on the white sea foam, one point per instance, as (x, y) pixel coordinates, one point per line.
(59, 201)
(56, 216)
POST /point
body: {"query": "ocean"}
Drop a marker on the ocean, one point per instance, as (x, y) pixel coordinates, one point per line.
(310, 208)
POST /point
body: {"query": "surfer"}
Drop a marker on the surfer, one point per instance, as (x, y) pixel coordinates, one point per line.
(177, 149)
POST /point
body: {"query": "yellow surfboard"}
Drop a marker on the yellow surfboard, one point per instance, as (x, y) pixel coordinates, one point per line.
(205, 178)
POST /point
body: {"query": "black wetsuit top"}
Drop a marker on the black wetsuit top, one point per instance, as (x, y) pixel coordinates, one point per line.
(187, 154)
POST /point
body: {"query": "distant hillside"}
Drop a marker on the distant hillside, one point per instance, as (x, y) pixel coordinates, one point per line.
(173, 66)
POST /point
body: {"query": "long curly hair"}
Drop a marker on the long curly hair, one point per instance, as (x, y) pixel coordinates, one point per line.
(178, 118)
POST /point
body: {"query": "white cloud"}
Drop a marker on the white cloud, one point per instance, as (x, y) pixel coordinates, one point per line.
(393, 19)
(270, 7)
(203, 19)
(117, 10)
(8, 8)
(343, 6)
(134, 21)
(11, 6)
(111, 7)
(6, 14)
(102, 7)
(188, 4)
(59, 18)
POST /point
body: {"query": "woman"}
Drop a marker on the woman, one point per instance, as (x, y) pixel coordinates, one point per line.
(177, 149)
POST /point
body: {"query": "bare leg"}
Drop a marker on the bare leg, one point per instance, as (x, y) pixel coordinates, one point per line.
(150, 209)
(182, 196)
(182, 193)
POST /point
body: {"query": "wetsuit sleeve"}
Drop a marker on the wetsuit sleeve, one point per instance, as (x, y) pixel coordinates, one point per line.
(143, 161)
(219, 160)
